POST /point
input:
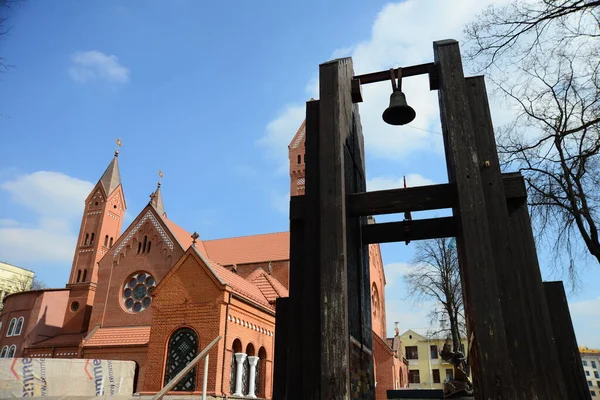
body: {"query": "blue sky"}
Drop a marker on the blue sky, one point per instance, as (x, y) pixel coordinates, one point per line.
(211, 94)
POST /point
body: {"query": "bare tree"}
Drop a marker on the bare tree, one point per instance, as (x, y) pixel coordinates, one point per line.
(434, 275)
(5, 6)
(543, 57)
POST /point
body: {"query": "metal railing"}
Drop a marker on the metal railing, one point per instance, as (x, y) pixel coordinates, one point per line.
(187, 369)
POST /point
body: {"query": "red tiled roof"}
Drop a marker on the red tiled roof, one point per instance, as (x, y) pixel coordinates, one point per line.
(249, 249)
(240, 285)
(128, 336)
(64, 340)
(183, 236)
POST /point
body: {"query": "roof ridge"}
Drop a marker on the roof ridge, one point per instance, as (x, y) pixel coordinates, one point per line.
(244, 236)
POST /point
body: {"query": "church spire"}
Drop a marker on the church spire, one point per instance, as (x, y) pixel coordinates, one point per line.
(156, 198)
(111, 178)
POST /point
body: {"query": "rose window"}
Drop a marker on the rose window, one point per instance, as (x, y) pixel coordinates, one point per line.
(137, 292)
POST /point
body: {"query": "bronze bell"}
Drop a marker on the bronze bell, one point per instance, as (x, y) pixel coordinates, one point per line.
(398, 113)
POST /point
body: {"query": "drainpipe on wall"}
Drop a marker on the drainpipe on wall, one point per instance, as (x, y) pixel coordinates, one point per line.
(225, 346)
(107, 290)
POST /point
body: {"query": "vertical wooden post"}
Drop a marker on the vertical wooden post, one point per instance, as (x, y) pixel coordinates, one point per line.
(282, 345)
(568, 351)
(547, 367)
(533, 377)
(492, 371)
(335, 124)
(309, 318)
(296, 295)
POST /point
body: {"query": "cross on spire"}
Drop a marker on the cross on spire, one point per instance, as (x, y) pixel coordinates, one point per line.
(160, 176)
(195, 236)
(119, 144)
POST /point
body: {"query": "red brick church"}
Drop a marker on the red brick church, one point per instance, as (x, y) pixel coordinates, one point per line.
(157, 295)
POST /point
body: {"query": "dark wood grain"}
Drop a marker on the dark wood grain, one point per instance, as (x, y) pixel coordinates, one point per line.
(420, 229)
(491, 368)
(335, 123)
(569, 358)
(282, 312)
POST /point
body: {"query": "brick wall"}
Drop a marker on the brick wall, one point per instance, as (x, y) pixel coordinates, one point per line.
(386, 368)
(114, 270)
(280, 270)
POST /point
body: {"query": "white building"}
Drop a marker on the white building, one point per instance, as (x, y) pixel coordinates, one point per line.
(591, 366)
(13, 279)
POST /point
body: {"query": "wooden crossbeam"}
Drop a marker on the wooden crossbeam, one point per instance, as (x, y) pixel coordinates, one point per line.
(419, 198)
(420, 229)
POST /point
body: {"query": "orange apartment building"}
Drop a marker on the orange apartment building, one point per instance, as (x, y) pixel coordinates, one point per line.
(157, 295)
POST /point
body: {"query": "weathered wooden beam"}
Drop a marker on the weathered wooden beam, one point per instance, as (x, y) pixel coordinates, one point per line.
(569, 358)
(309, 323)
(532, 378)
(419, 198)
(282, 346)
(335, 124)
(394, 201)
(491, 368)
(382, 76)
(420, 229)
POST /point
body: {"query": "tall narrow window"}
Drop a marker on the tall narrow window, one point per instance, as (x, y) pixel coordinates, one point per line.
(19, 326)
(78, 275)
(183, 347)
(106, 241)
(434, 351)
(84, 275)
(87, 237)
(139, 247)
(299, 159)
(436, 375)
(145, 241)
(149, 246)
(11, 351)
(111, 240)
(92, 239)
(4, 352)
(11, 327)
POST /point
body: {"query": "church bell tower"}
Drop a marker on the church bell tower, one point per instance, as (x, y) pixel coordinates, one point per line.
(100, 228)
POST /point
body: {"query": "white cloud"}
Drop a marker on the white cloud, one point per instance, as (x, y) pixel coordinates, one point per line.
(281, 202)
(399, 37)
(56, 201)
(394, 273)
(386, 182)
(280, 132)
(90, 65)
(586, 321)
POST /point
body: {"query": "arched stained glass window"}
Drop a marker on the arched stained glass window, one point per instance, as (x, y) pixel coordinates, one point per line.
(183, 347)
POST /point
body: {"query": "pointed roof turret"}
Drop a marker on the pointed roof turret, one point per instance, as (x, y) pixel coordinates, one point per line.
(156, 198)
(111, 178)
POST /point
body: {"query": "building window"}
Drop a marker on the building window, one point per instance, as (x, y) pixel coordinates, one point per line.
(74, 306)
(11, 351)
(4, 351)
(92, 239)
(449, 375)
(183, 347)
(110, 244)
(412, 352)
(593, 364)
(587, 373)
(434, 351)
(598, 383)
(375, 301)
(84, 275)
(596, 374)
(87, 237)
(590, 384)
(584, 363)
(105, 240)
(78, 275)
(413, 376)
(19, 326)
(11, 327)
(436, 376)
(136, 295)
(593, 393)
